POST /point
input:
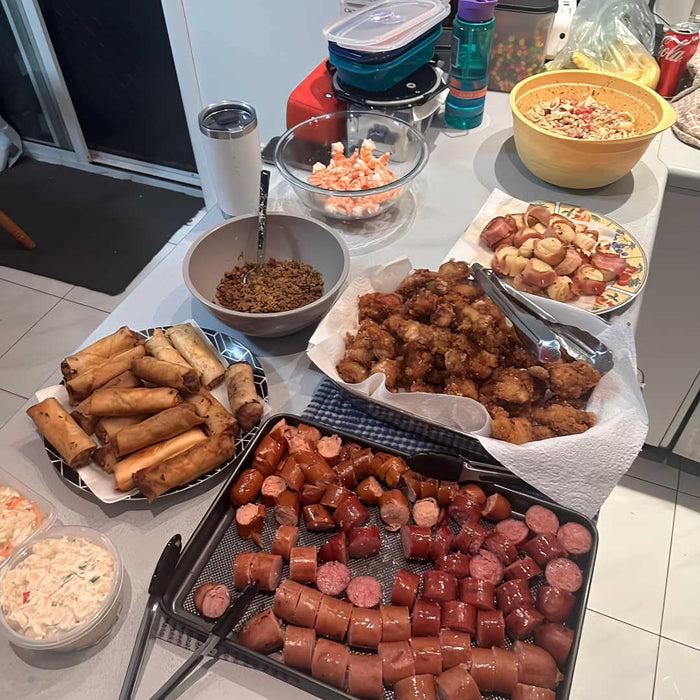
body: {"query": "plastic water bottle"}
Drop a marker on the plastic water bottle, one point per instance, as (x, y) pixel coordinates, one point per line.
(472, 37)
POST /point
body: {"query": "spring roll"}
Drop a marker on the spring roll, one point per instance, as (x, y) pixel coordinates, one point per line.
(59, 428)
(108, 426)
(159, 346)
(131, 402)
(88, 422)
(162, 426)
(101, 350)
(217, 418)
(125, 469)
(186, 466)
(197, 352)
(242, 396)
(106, 457)
(163, 373)
(80, 387)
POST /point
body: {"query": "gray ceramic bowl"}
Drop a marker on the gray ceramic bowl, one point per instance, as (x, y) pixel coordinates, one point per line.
(288, 238)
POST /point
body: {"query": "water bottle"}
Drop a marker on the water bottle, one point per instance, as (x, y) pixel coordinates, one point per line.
(472, 37)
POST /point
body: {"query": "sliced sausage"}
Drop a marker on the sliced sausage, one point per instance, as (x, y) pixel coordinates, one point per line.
(515, 531)
(497, 507)
(329, 448)
(556, 639)
(397, 661)
(390, 471)
(365, 628)
(463, 509)
(542, 548)
(405, 588)
(330, 662)
(427, 657)
(411, 482)
(490, 628)
(268, 455)
(393, 509)
(455, 648)
(459, 616)
(420, 687)
(475, 492)
(333, 495)
(575, 538)
(318, 519)
(439, 586)
(471, 538)
(348, 450)
(541, 520)
(333, 618)
(286, 600)
(564, 574)
(271, 488)
(277, 430)
(447, 490)
(364, 541)
(266, 569)
(311, 494)
(308, 432)
(396, 622)
(241, 569)
(350, 513)
(536, 666)
(299, 643)
(287, 507)
(426, 512)
(307, 606)
(525, 568)
(456, 683)
(315, 469)
(483, 669)
(416, 541)
(514, 594)
(426, 618)
(262, 633)
(363, 461)
(522, 622)
(302, 564)
(369, 490)
(487, 566)
(345, 473)
(332, 578)
(554, 603)
(364, 591)
(250, 519)
(532, 692)
(335, 549)
(478, 592)
(429, 488)
(454, 563)
(365, 677)
(285, 538)
(506, 673)
(292, 474)
(503, 548)
(211, 599)
(246, 487)
(442, 542)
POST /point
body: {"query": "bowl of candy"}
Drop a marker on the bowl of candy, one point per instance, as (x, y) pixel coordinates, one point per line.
(351, 165)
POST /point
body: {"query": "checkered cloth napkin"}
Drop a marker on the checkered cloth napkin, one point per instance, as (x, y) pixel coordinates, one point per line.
(687, 106)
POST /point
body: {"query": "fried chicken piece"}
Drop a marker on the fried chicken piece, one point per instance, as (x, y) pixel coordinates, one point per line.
(542, 432)
(418, 361)
(422, 305)
(515, 430)
(408, 330)
(467, 360)
(436, 375)
(468, 291)
(419, 279)
(509, 385)
(378, 305)
(393, 371)
(484, 323)
(564, 419)
(462, 387)
(381, 342)
(518, 356)
(443, 316)
(358, 349)
(426, 387)
(573, 380)
(539, 372)
(454, 271)
(352, 372)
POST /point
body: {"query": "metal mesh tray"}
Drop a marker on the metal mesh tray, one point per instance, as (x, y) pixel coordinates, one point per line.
(212, 550)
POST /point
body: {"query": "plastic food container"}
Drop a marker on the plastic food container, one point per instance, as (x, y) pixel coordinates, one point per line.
(519, 41)
(87, 633)
(376, 77)
(46, 509)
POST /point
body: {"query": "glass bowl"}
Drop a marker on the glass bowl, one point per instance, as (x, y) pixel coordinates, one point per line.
(309, 142)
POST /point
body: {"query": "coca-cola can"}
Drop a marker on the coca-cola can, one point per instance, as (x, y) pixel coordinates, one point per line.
(677, 47)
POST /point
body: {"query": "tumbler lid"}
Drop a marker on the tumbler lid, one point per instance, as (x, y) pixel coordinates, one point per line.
(227, 120)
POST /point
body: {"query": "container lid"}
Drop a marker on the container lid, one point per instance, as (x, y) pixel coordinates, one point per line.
(476, 10)
(386, 25)
(534, 6)
(227, 120)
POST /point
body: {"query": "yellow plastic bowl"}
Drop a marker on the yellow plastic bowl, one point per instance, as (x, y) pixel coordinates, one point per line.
(574, 163)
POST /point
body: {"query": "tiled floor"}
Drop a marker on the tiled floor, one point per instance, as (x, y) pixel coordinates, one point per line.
(641, 637)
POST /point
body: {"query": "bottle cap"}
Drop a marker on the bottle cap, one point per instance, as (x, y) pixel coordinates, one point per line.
(476, 10)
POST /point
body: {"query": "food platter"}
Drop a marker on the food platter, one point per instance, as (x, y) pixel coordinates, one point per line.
(230, 350)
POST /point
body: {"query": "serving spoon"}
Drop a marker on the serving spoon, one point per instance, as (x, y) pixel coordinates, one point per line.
(262, 227)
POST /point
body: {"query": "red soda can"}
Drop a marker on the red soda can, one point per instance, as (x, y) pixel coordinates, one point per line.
(677, 47)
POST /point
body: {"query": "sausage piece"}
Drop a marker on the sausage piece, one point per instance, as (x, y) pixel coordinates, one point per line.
(332, 578)
(333, 495)
(335, 549)
(532, 692)
(268, 455)
(456, 683)
(311, 494)
(471, 538)
(292, 474)
(345, 473)
(397, 661)
(262, 633)
(396, 622)
(439, 586)
(463, 509)
(564, 574)
(525, 568)
(426, 512)
(318, 519)
(350, 513)
(514, 594)
(246, 487)
(333, 618)
(490, 628)
(442, 542)
(426, 618)
(266, 569)
(299, 643)
(447, 490)
(285, 538)
(555, 604)
(429, 488)
(271, 488)
(522, 622)
(455, 648)
(420, 687)
(506, 673)
(393, 509)
(556, 639)
(211, 599)
(249, 521)
(307, 606)
(459, 616)
(369, 490)
(364, 591)
(515, 531)
(454, 563)
(497, 507)
(412, 482)
(475, 492)
(390, 470)
(405, 588)
(329, 448)
(416, 541)
(478, 592)
(365, 628)
(536, 666)
(487, 566)
(364, 541)
(544, 547)
(330, 662)
(575, 538)
(427, 657)
(483, 669)
(302, 564)
(287, 508)
(541, 520)
(241, 569)
(365, 677)
(286, 599)
(315, 469)
(501, 547)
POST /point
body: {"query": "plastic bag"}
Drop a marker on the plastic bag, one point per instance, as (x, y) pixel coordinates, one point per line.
(10, 145)
(611, 36)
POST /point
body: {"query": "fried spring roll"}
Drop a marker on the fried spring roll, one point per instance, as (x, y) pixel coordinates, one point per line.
(59, 428)
(161, 426)
(159, 346)
(108, 426)
(213, 411)
(130, 402)
(101, 350)
(197, 352)
(106, 457)
(163, 373)
(125, 469)
(186, 466)
(84, 384)
(242, 396)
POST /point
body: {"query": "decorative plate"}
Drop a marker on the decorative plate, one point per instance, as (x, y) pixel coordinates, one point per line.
(626, 287)
(230, 350)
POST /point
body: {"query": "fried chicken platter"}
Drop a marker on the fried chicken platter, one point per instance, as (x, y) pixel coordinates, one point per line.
(438, 333)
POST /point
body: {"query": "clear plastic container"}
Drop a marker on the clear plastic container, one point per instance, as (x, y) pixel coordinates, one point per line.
(46, 509)
(519, 41)
(387, 25)
(88, 633)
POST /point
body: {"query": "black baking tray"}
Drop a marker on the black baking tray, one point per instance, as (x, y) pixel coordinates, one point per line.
(212, 549)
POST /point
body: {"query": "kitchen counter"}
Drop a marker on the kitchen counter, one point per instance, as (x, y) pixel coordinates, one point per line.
(463, 168)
